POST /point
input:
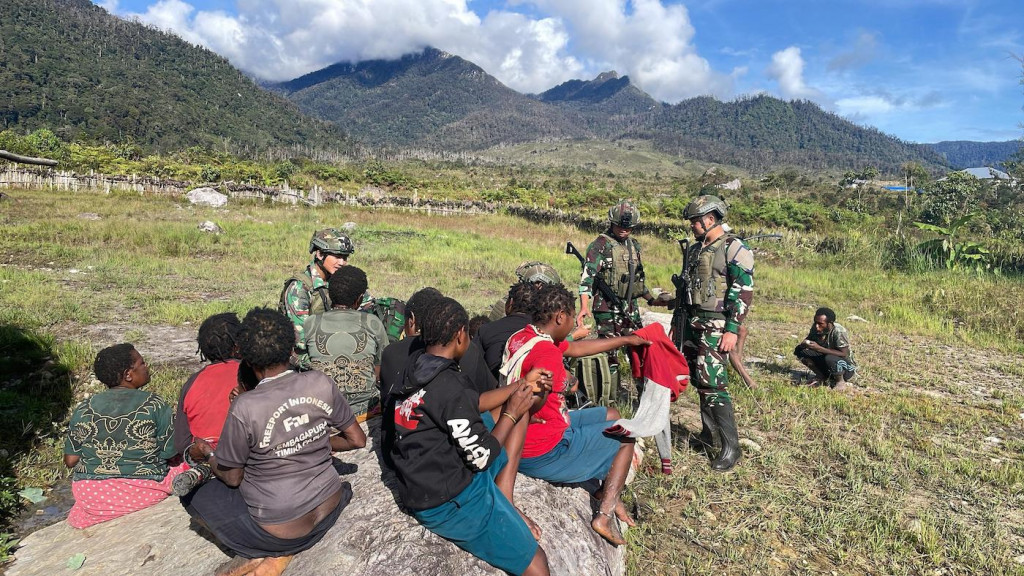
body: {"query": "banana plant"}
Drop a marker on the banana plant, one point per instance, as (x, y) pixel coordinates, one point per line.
(952, 253)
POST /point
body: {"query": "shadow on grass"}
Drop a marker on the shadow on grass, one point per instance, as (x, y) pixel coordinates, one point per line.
(35, 395)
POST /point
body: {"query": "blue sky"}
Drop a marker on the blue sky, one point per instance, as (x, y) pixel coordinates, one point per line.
(922, 70)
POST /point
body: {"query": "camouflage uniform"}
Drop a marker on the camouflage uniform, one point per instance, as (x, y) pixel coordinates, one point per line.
(612, 260)
(347, 345)
(726, 261)
(714, 298)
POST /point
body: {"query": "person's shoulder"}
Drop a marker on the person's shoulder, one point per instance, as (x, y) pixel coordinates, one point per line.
(839, 328)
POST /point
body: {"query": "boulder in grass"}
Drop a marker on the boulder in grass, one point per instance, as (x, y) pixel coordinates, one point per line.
(372, 537)
(207, 197)
(211, 227)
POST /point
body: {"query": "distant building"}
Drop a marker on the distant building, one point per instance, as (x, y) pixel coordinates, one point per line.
(986, 173)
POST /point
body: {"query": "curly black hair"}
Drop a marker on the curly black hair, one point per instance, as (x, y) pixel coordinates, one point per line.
(218, 337)
(520, 296)
(550, 299)
(828, 313)
(112, 362)
(347, 286)
(420, 300)
(475, 323)
(266, 338)
(442, 320)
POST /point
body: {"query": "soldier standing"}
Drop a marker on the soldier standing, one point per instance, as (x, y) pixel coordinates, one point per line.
(614, 257)
(715, 292)
(306, 293)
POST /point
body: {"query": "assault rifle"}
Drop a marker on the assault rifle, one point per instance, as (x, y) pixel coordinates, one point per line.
(684, 300)
(624, 323)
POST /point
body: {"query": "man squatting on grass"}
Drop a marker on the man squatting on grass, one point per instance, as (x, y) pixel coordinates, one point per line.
(826, 351)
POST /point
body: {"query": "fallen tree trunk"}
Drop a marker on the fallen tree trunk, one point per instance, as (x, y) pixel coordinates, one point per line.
(26, 159)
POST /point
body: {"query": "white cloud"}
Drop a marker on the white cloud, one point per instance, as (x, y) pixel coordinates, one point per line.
(531, 45)
(787, 68)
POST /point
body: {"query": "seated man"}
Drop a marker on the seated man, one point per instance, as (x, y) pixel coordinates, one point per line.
(826, 351)
(563, 446)
(445, 457)
(205, 398)
(347, 344)
(119, 442)
(276, 449)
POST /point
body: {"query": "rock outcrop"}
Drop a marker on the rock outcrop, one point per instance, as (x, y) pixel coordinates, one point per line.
(372, 537)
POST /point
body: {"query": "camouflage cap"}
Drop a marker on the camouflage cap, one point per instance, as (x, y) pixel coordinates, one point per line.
(624, 214)
(706, 204)
(331, 241)
(537, 272)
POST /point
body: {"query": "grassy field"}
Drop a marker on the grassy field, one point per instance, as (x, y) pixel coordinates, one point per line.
(918, 470)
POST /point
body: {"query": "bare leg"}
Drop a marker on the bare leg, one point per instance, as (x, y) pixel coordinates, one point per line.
(610, 504)
(539, 565)
(506, 479)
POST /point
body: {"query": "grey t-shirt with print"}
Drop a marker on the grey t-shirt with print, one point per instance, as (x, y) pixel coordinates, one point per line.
(279, 432)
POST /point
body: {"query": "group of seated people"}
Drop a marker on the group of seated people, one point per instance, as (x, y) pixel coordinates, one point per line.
(249, 449)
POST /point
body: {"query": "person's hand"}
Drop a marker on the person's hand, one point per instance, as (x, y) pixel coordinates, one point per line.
(539, 380)
(521, 400)
(200, 450)
(582, 316)
(580, 332)
(727, 343)
(235, 392)
(634, 340)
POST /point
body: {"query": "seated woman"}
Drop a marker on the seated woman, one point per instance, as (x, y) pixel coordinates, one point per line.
(276, 492)
(118, 443)
(205, 398)
(563, 446)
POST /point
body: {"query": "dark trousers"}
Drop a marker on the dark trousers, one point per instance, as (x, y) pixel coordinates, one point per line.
(828, 364)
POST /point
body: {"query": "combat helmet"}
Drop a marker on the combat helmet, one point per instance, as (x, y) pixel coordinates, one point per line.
(331, 241)
(702, 205)
(534, 271)
(624, 214)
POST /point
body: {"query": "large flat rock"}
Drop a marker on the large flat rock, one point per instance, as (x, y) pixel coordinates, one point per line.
(372, 537)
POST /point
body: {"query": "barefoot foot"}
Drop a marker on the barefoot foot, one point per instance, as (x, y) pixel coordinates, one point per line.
(273, 566)
(238, 566)
(623, 515)
(608, 528)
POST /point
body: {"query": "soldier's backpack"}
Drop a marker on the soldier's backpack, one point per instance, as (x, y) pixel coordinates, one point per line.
(391, 312)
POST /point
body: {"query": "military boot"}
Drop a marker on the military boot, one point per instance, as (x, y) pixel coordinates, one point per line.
(705, 441)
(731, 452)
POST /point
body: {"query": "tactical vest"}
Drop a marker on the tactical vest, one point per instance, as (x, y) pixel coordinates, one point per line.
(707, 272)
(319, 300)
(615, 272)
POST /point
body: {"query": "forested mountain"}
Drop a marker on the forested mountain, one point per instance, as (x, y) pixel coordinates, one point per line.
(70, 66)
(427, 100)
(967, 154)
(436, 100)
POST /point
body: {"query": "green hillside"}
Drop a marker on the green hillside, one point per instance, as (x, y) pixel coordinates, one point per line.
(70, 66)
(427, 100)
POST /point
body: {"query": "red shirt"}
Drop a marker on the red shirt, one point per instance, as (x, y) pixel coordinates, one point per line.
(204, 404)
(541, 438)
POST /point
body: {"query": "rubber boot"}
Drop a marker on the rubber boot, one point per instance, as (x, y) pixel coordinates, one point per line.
(730, 454)
(705, 441)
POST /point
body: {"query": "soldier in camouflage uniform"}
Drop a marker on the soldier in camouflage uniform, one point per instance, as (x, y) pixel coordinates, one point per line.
(717, 290)
(532, 271)
(615, 257)
(305, 294)
(347, 344)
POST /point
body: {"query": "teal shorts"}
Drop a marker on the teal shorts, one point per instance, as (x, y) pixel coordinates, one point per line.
(583, 453)
(481, 521)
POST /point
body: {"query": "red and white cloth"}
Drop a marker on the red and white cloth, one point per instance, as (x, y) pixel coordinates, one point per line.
(666, 376)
